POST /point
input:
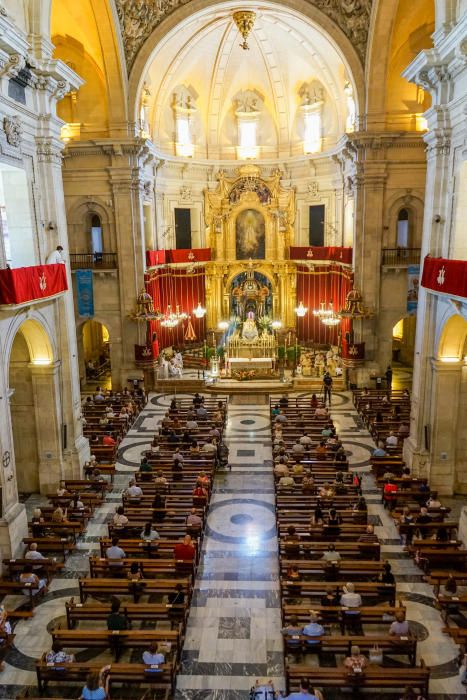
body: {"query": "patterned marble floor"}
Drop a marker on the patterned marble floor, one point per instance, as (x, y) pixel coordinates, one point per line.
(233, 636)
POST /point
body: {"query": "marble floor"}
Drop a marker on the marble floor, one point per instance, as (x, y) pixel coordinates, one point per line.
(233, 636)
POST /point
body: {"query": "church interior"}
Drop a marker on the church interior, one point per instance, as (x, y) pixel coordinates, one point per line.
(233, 349)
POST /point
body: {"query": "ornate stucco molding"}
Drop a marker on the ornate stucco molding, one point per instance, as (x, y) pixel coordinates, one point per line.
(139, 18)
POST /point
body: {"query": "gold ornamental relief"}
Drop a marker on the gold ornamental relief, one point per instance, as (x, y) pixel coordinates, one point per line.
(139, 18)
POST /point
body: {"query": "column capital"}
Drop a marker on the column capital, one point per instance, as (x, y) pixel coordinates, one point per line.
(443, 367)
(44, 369)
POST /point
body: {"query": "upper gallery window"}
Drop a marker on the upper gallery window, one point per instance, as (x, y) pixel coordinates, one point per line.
(312, 101)
(248, 112)
(184, 110)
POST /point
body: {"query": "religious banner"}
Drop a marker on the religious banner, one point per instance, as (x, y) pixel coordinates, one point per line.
(37, 282)
(354, 352)
(312, 253)
(413, 282)
(179, 255)
(445, 276)
(85, 293)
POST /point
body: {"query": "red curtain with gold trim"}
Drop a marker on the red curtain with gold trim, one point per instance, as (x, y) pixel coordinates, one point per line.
(177, 287)
(322, 283)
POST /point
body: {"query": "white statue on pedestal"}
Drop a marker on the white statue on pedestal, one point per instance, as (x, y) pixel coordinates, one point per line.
(249, 330)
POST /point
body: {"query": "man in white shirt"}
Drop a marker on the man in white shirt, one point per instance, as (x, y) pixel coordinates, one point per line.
(298, 448)
(115, 552)
(133, 490)
(350, 599)
(56, 256)
(305, 439)
(209, 448)
(32, 552)
(191, 425)
(400, 626)
(391, 440)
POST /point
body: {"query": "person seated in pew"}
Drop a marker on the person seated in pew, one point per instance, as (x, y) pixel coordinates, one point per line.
(173, 438)
(275, 410)
(379, 451)
(423, 519)
(321, 412)
(308, 483)
(57, 656)
(36, 522)
(292, 536)
(406, 519)
(176, 427)
(209, 447)
(350, 599)
(392, 440)
(134, 491)
(33, 553)
(330, 599)
(152, 656)
(160, 511)
(389, 492)
(187, 438)
(193, 520)
(298, 449)
(314, 630)
(356, 662)
(148, 534)
(400, 626)
(194, 448)
(154, 447)
(177, 469)
(340, 455)
(321, 450)
(317, 516)
(203, 480)
(281, 418)
(115, 619)
(449, 588)
(27, 576)
(306, 440)
(201, 413)
(338, 484)
(200, 492)
(314, 401)
(145, 468)
(441, 534)
(160, 481)
(387, 576)
(108, 440)
(404, 430)
(76, 502)
(360, 506)
(278, 433)
(114, 551)
(96, 686)
(94, 440)
(406, 473)
(59, 515)
(331, 555)
(326, 491)
(184, 550)
(134, 572)
(215, 433)
(298, 469)
(119, 519)
(306, 692)
(285, 482)
(433, 501)
(191, 424)
(278, 449)
(282, 456)
(293, 629)
(177, 456)
(328, 430)
(177, 597)
(62, 490)
(369, 535)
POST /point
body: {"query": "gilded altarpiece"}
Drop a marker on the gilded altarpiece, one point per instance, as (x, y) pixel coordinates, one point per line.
(249, 224)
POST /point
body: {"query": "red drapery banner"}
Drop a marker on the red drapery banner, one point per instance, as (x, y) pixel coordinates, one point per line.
(24, 284)
(177, 287)
(323, 283)
(180, 255)
(445, 276)
(335, 253)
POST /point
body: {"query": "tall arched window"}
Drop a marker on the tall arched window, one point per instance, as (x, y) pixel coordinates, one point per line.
(96, 235)
(403, 228)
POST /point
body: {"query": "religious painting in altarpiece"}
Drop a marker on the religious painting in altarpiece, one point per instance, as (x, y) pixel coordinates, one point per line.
(250, 235)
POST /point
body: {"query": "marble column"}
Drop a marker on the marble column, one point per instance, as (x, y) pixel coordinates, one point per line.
(49, 426)
(443, 428)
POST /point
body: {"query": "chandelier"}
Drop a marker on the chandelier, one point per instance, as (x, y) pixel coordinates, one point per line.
(244, 19)
(276, 325)
(326, 315)
(200, 311)
(301, 310)
(223, 325)
(170, 320)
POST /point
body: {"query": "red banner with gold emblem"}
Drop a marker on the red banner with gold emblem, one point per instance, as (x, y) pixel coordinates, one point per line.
(24, 284)
(445, 276)
(313, 252)
(179, 255)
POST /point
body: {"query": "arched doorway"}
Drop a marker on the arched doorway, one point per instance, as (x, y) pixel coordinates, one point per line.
(250, 293)
(96, 354)
(403, 349)
(35, 409)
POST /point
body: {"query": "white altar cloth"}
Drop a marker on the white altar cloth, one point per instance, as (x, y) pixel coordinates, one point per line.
(250, 363)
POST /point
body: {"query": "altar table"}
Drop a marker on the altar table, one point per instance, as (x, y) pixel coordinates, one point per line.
(236, 363)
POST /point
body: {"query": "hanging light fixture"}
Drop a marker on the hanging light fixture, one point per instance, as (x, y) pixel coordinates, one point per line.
(170, 320)
(322, 312)
(275, 325)
(200, 311)
(331, 318)
(301, 310)
(223, 325)
(244, 19)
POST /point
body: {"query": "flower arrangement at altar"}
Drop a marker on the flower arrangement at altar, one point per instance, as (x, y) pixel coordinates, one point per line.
(264, 322)
(244, 374)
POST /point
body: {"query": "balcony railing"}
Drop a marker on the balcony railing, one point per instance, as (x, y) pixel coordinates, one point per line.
(398, 257)
(93, 261)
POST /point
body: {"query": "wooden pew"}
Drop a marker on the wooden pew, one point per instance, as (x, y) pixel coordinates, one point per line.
(315, 550)
(367, 589)
(342, 644)
(373, 615)
(150, 568)
(116, 586)
(51, 544)
(135, 612)
(374, 678)
(349, 569)
(49, 566)
(32, 593)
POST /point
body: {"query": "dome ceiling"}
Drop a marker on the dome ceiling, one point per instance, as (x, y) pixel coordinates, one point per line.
(203, 55)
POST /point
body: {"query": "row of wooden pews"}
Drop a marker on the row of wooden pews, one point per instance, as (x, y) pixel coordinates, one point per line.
(152, 581)
(327, 549)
